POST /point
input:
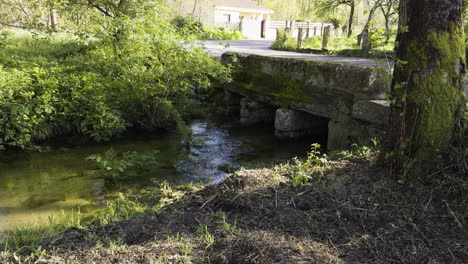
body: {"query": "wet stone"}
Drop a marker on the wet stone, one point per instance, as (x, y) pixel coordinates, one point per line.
(39, 200)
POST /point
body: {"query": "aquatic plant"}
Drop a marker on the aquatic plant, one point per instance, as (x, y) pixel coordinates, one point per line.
(114, 165)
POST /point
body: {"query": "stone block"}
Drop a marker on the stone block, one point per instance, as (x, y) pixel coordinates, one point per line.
(373, 111)
(232, 102)
(253, 112)
(290, 123)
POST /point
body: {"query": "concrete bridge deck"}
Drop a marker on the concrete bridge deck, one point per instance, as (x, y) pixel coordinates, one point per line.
(262, 47)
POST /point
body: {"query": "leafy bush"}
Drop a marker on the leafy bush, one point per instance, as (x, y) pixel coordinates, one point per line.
(220, 34)
(135, 73)
(186, 25)
(45, 91)
(115, 210)
(304, 170)
(284, 41)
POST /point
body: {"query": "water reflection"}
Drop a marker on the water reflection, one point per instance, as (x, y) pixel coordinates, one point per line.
(35, 185)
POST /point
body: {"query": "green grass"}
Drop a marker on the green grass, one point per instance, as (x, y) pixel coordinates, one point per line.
(342, 46)
(29, 239)
(42, 50)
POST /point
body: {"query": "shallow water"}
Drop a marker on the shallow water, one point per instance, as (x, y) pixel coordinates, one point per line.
(36, 185)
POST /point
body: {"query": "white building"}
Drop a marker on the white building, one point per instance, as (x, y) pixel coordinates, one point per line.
(243, 15)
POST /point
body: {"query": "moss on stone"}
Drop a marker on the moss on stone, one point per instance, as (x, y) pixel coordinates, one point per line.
(281, 86)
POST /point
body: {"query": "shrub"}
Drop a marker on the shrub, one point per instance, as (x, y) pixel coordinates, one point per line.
(136, 74)
(284, 41)
(220, 34)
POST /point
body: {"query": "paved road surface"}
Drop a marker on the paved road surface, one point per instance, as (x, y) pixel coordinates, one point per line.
(262, 47)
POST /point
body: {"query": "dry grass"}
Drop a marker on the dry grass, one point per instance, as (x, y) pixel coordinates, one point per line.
(259, 216)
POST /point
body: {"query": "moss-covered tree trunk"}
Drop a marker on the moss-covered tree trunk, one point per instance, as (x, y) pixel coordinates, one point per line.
(427, 90)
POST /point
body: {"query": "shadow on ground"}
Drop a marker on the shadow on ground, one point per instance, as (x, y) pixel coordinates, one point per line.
(349, 213)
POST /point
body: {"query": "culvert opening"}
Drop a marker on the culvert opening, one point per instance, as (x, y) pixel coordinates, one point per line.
(292, 124)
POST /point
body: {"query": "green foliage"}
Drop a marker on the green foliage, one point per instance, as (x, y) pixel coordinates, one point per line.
(224, 225)
(342, 46)
(220, 34)
(304, 170)
(186, 25)
(134, 73)
(28, 240)
(193, 29)
(116, 210)
(284, 41)
(45, 91)
(369, 153)
(207, 238)
(335, 21)
(115, 165)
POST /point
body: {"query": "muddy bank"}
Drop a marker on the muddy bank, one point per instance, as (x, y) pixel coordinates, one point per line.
(348, 212)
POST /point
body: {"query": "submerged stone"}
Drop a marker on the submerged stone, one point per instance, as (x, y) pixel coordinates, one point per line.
(38, 200)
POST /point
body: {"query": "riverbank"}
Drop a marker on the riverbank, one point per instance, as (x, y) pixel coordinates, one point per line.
(321, 210)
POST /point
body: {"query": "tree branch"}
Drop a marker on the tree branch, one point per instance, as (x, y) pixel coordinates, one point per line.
(100, 8)
(10, 25)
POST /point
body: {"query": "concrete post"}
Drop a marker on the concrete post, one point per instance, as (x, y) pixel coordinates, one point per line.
(326, 37)
(308, 30)
(293, 24)
(365, 41)
(300, 34)
(263, 29)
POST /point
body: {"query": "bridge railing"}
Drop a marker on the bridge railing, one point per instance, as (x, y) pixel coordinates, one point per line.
(309, 28)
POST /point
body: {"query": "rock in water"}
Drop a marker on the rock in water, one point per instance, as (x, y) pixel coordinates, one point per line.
(38, 200)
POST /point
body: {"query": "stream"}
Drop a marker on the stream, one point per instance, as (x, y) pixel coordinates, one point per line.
(36, 185)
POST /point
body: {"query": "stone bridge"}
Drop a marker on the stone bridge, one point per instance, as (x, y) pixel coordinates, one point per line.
(346, 101)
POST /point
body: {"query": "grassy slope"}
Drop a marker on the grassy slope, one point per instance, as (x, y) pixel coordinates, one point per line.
(264, 215)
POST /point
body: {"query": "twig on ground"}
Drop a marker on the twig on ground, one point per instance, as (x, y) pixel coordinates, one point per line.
(454, 216)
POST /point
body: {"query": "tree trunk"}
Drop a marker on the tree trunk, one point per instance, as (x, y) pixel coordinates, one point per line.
(351, 17)
(365, 31)
(387, 13)
(53, 18)
(387, 29)
(427, 103)
(194, 8)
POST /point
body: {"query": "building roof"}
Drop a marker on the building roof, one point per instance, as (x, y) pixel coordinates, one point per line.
(242, 5)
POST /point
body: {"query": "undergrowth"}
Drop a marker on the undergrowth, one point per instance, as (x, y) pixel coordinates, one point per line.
(333, 208)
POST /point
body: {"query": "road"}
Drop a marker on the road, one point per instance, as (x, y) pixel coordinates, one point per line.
(262, 47)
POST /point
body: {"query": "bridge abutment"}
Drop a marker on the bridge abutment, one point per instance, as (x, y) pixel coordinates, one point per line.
(253, 112)
(232, 102)
(291, 123)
